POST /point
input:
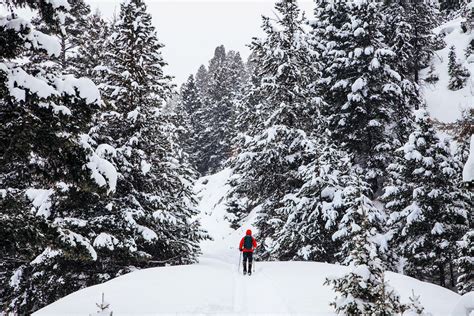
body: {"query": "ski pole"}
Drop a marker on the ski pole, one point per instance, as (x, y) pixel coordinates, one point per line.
(240, 258)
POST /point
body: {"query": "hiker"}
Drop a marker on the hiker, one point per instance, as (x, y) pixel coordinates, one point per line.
(247, 246)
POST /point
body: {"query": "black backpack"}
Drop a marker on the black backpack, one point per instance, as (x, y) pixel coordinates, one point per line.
(248, 242)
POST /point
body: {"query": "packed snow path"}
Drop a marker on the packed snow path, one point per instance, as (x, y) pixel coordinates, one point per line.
(216, 286)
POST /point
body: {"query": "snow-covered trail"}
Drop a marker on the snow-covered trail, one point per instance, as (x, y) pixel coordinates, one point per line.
(214, 286)
(211, 191)
(247, 294)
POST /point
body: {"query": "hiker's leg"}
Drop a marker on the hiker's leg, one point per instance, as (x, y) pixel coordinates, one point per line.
(250, 258)
(245, 261)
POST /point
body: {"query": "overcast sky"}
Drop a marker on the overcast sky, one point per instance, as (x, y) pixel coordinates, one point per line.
(191, 29)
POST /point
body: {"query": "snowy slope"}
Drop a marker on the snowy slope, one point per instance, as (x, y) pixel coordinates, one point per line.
(444, 104)
(214, 286)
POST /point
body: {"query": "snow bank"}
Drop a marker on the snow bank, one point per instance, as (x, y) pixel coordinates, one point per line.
(214, 286)
(465, 304)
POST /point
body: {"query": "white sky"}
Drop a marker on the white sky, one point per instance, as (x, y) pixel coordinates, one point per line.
(191, 29)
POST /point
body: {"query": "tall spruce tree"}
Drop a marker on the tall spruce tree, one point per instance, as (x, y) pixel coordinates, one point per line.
(266, 169)
(90, 57)
(191, 117)
(71, 30)
(313, 212)
(202, 80)
(220, 88)
(423, 18)
(364, 96)
(429, 212)
(154, 195)
(53, 180)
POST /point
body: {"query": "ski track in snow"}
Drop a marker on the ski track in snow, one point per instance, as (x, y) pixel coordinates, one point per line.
(223, 249)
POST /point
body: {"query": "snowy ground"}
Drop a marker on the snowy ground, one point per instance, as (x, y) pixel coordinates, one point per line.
(214, 286)
(444, 104)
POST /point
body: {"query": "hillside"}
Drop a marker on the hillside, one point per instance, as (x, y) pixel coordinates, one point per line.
(444, 104)
(214, 286)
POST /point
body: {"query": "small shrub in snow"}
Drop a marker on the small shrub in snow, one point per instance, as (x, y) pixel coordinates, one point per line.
(457, 72)
(414, 308)
(104, 308)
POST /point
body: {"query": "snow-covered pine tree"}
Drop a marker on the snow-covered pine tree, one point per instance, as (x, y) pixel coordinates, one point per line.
(450, 5)
(465, 264)
(202, 80)
(71, 30)
(363, 291)
(313, 212)
(266, 169)
(399, 35)
(223, 85)
(53, 180)
(458, 74)
(249, 110)
(365, 99)
(91, 48)
(154, 192)
(414, 308)
(423, 18)
(190, 113)
(428, 209)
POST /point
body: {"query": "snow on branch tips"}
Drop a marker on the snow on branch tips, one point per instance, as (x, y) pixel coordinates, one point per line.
(33, 38)
(103, 172)
(41, 200)
(19, 81)
(84, 88)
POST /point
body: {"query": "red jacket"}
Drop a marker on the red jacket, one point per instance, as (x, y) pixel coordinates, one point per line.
(254, 243)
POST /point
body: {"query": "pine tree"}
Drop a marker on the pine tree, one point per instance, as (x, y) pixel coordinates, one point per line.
(312, 213)
(53, 179)
(399, 35)
(363, 291)
(457, 72)
(432, 77)
(450, 5)
(465, 264)
(365, 99)
(202, 80)
(428, 209)
(265, 170)
(71, 30)
(155, 194)
(223, 84)
(190, 112)
(423, 18)
(90, 58)
(415, 308)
